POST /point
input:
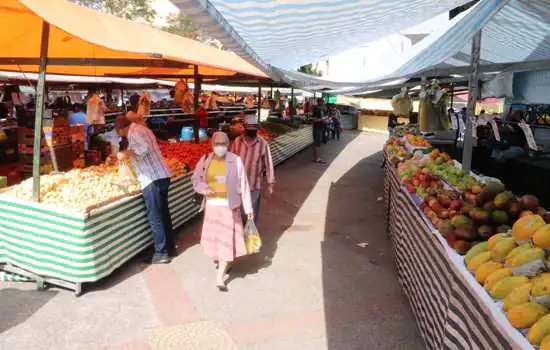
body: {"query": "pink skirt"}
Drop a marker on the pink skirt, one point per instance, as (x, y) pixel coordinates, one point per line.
(222, 236)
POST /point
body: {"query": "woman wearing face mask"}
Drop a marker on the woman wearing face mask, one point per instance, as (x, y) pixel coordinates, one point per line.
(221, 178)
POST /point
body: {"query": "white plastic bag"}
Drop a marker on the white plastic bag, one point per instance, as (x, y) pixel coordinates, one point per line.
(252, 239)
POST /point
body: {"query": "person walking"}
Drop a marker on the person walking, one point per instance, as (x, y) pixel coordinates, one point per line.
(221, 178)
(256, 156)
(318, 127)
(336, 122)
(154, 177)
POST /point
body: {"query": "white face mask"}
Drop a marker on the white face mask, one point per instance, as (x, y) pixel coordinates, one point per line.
(220, 151)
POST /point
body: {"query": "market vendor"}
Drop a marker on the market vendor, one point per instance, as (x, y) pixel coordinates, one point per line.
(133, 113)
(154, 178)
(513, 139)
(95, 108)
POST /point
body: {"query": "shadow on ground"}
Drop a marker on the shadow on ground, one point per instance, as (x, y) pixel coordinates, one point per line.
(16, 306)
(364, 305)
(294, 183)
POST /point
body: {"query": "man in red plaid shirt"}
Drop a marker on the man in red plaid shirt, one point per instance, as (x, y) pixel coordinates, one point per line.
(256, 156)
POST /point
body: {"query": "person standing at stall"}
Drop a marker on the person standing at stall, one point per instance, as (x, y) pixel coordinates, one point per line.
(220, 177)
(318, 130)
(133, 113)
(154, 178)
(256, 156)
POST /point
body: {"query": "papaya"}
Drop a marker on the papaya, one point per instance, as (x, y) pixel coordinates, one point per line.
(545, 344)
(476, 250)
(518, 296)
(478, 260)
(539, 330)
(525, 257)
(486, 269)
(517, 250)
(541, 287)
(496, 276)
(525, 315)
(501, 249)
(505, 286)
(524, 228)
(494, 239)
(541, 237)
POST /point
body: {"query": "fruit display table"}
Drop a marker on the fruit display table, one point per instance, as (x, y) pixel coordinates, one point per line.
(451, 309)
(61, 247)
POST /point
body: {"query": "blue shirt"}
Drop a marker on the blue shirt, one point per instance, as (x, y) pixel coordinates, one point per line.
(78, 118)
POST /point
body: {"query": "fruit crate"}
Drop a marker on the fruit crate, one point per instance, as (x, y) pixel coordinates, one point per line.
(56, 122)
(57, 136)
(77, 149)
(26, 159)
(25, 136)
(77, 133)
(62, 157)
(79, 163)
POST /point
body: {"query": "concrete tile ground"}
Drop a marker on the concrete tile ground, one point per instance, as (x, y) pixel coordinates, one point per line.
(311, 286)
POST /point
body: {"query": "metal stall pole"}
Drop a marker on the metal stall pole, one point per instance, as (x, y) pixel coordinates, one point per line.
(40, 91)
(196, 96)
(259, 103)
(292, 107)
(473, 88)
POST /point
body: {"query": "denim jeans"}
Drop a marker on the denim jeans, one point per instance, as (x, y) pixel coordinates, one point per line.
(158, 214)
(256, 197)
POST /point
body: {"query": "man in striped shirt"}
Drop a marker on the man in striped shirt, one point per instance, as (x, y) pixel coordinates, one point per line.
(154, 178)
(256, 156)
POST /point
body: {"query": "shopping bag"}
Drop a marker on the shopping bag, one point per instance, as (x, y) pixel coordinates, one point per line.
(252, 239)
(125, 169)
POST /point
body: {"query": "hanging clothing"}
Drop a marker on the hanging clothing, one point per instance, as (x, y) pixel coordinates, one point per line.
(402, 105)
(181, 89)
(95, 110)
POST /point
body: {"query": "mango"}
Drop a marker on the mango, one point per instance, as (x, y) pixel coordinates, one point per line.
(486, 269)
(501, 200)
(541, 237)
(478, 260)
(518, 296)
(539, 330)
(476, 250)
(505, 286)
(496, 276)
(501, 249)
(526, 257)
(525, 315)
(524, 228)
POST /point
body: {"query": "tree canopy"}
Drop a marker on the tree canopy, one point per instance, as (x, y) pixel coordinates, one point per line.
(308, 69)
(127, 9)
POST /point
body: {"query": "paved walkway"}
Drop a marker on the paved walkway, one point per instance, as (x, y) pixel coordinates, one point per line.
(325, 279)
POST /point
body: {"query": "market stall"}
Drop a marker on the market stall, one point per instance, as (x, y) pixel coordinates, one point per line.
(55, 245)
(461, 273)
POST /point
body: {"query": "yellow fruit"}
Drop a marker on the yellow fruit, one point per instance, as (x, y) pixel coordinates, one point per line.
(518, 296)
(526, 257)
(502, 248)
(478, 260)
(494, 239)
(541, 237)
(496, 276)
(525, 227)
(505, 286)
(545, 344)
(485, 269)
(525, 315)
(541, 287)
(539, 330)
(516, 251)
(476, 250)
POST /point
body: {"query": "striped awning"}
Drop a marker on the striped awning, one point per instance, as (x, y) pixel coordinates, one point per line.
(515, 38)
(291, 33)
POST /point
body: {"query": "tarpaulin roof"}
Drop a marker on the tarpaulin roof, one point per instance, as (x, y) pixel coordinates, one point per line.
(515, 37)
(290, 33)
(86, 42)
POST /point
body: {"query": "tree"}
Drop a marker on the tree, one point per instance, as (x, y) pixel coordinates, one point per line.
(182, 25)
(308, 69)
(127, 9)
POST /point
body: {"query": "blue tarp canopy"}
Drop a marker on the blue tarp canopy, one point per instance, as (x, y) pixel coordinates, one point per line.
(291, 33)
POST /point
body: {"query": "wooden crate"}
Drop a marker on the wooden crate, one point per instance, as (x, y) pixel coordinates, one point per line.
(57, 135)
(25, 136)
(62, 157)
